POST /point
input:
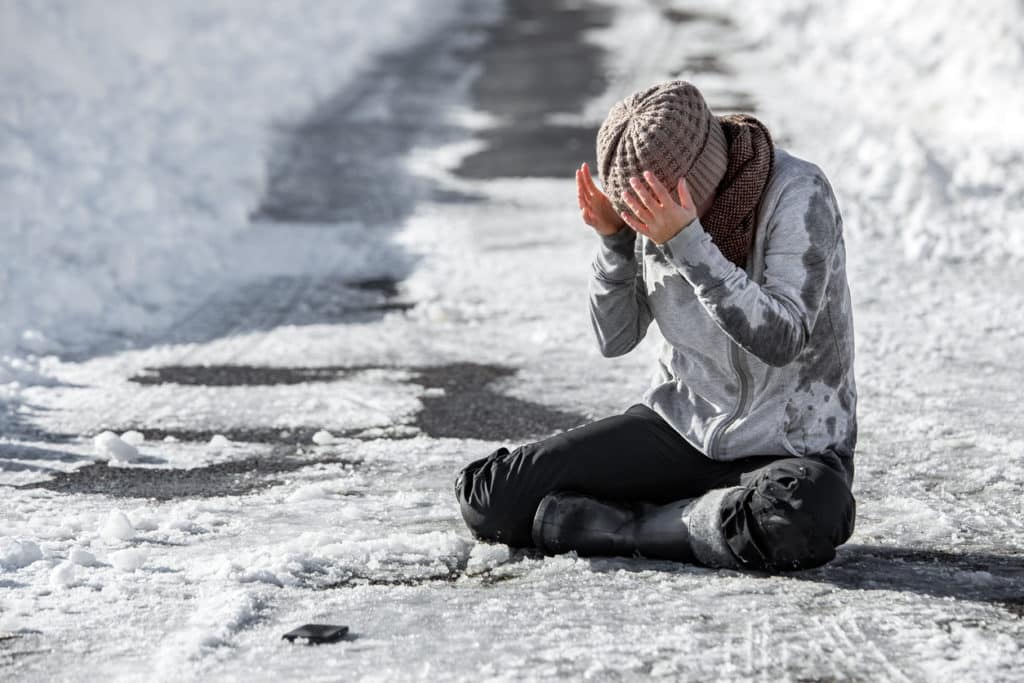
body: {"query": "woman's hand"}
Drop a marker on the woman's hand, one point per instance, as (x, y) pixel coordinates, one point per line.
(654, 212)
(597, 209)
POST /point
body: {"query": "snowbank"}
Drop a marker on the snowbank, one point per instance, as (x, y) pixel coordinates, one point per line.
(133, 139)
(911, 108)
(916, 122)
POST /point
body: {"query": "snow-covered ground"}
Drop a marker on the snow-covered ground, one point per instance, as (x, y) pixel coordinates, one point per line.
(134, 146)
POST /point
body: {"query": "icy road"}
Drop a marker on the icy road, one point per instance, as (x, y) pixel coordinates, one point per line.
(277, 274)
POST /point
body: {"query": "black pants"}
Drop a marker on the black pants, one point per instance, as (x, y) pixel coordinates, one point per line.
(790, 513)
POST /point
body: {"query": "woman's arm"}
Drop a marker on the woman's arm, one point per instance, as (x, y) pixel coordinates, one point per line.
(773, 321)
(619, 311)
(618, 302)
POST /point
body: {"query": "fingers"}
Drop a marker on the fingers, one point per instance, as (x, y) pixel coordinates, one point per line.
(641, 211)
(635, 223)
(588, 181)
(644, 194)
(581, 193)
(685, 200)
(660, 193)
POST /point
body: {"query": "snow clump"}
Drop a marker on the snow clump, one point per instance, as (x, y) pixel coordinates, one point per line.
(133, 437)
(117, 527)
(219, 441)
(16, 553)
(324, 438)
(81, 556)
(128, 560)
(63, 575)
(109, 446)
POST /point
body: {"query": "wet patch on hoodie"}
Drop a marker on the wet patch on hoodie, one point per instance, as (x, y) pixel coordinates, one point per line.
(826, 363)
(771, 341)
(820, 224)
(701, 274)
(623, 244)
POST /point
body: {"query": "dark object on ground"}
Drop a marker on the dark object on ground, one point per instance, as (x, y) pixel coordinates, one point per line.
(317, 634)
(537, 61)
(471, 408)
(234, 478)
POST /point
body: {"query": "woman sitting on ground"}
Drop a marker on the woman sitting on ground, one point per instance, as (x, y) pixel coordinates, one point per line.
(740, 454)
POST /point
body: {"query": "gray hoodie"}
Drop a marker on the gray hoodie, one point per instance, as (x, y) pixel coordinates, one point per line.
(756, 361)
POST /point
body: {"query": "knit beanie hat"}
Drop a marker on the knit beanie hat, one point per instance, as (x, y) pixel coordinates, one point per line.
(669, 130)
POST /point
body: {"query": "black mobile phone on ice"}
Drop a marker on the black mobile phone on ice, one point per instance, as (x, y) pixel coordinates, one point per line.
(315, 634)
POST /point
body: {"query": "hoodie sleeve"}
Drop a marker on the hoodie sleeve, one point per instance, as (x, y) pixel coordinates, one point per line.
(619, 312)
(773, 320)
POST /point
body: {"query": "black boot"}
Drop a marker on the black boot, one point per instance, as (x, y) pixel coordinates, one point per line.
(569, 521)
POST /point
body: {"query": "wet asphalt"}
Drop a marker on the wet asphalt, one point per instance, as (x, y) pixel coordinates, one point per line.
(342, 162)
(535, 64)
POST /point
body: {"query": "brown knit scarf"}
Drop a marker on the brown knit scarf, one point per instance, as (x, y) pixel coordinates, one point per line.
(730, 220)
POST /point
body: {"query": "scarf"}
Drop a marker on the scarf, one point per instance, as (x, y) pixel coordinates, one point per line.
(730, 220)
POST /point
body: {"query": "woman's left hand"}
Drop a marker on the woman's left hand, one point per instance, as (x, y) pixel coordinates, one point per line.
(653, 211)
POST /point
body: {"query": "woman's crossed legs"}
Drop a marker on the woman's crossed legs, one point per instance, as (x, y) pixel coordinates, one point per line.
(778, 513)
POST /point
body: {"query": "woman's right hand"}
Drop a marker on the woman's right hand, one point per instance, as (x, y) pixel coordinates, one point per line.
(595, 206)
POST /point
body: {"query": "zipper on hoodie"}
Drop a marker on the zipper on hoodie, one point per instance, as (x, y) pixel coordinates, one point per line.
(741, 403)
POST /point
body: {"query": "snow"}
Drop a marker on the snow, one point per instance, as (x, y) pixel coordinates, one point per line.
(127, 560)
(16, 553)
(133, 438)
(117, 527)
(109, 446)
(81, 556)
(219, 441)
(63, 575)
(323, 438)
(130, 130)
(912, 119)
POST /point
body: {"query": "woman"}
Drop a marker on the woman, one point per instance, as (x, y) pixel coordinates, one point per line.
(740, 454)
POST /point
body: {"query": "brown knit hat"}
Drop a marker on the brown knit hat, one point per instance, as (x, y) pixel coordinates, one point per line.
(669, 130)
